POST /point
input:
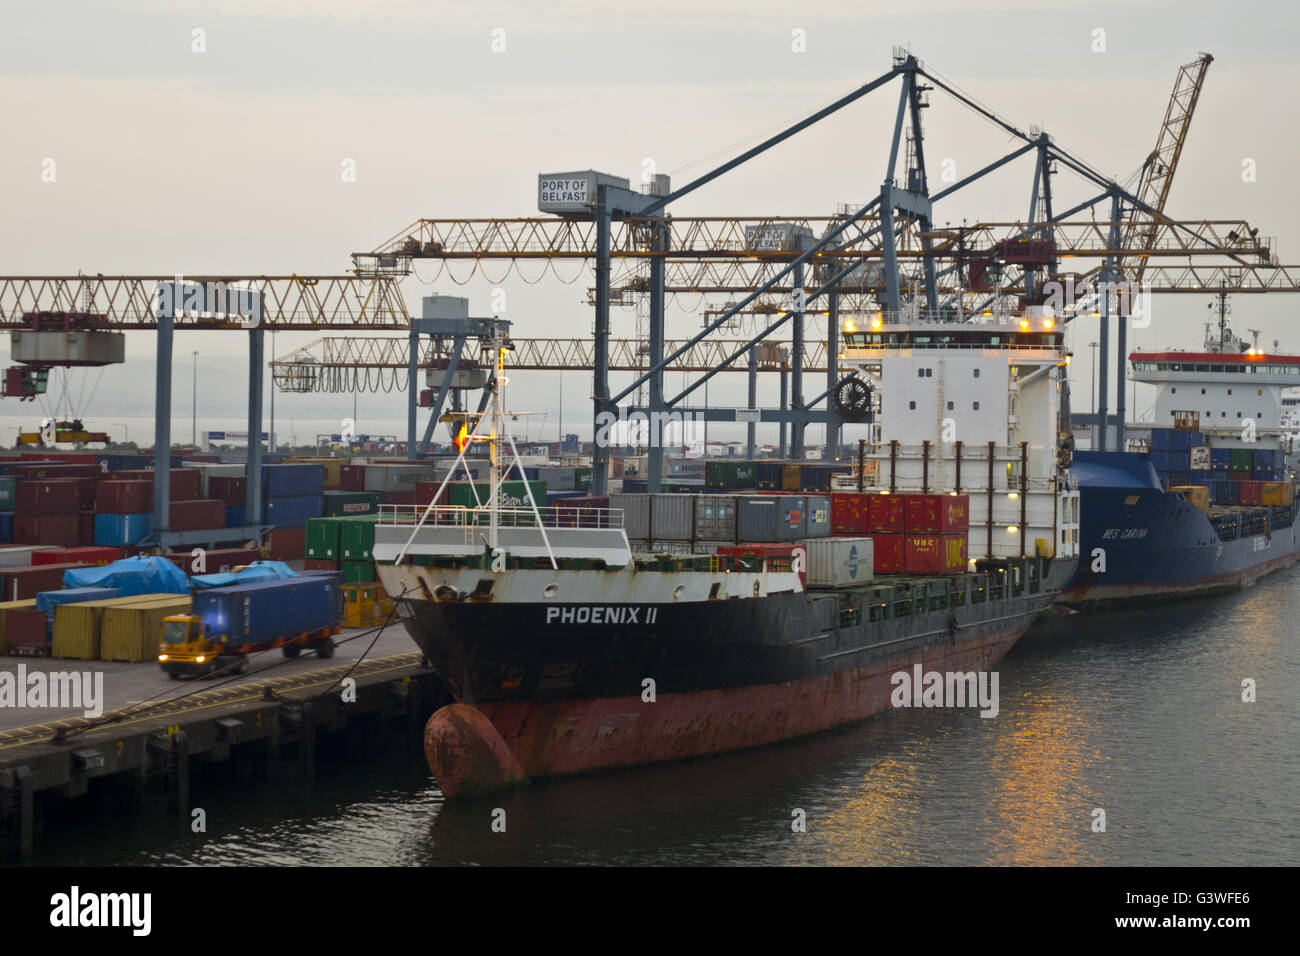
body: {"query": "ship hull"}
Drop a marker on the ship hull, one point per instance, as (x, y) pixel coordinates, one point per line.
(703, 678)
(1165, 549)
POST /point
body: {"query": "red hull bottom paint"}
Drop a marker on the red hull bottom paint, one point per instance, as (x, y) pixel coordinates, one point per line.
(1098, 594)
(555, 738)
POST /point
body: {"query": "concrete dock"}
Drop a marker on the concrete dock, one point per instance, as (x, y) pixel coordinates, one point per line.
(153, 727)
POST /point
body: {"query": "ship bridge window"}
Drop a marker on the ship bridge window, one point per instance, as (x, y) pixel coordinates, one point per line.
(976, 406)
(950, 406)
(1216, 368)
(911, 406)
(977, 373)
(1202, 368)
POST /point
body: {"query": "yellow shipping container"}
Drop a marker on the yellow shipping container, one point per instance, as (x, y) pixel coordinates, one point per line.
(4, 606)
(77, 626)
(132, 632)
(1278, 493)
(1198, 495)
(333, 468)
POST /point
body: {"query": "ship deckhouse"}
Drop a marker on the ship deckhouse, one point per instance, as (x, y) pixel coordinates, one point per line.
(972, 407)
(1224, 389)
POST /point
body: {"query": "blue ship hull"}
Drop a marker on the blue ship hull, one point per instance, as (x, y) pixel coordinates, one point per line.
(1138, 543)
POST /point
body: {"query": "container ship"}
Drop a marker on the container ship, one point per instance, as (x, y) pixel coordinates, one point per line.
(655, 627)
(1204, 504)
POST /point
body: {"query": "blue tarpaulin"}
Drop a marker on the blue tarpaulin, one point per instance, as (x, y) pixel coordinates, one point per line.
(257, 571)
(131, 576)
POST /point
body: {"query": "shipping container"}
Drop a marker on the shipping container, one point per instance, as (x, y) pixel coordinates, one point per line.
(286, 544)
(7, 485)
(1220, 459)
(1242, 459)
(817, 516)
(345, 503)
(77, 627)
(322, 539)
(1227, 493)
(196, 515)
(6, 527)
(1160, 459)
(292, 481)
(1250, 492)
(320, 564)
(731, 473)
(46, 496)
(208, 470)
(838, 562)
(133, 631)
(331, 470)
(122, 529)
(936, 514)
(715, 518)
(636, 513)
(1160, 439)
(358, 572)
(1197, 495)
(5, 606)
(291, 512)
(33, 471)
(386, 478)
(849, 512)
(513, 493)
(26, 633)
(888, 514)
(262, 613)
(87, 555)
(213, 560)
(22, 556)
(357, 538)
(787, 556)
(1180, 460)
(771, 518)
(237, 516)
(887, 553)
(123, 497)
(352, 477)
(934, 553)
(672, 518)
(231, 489)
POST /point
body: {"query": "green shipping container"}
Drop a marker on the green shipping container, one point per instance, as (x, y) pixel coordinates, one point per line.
(348, 504)
(356, 538)
(7, 492)
(1242, 459)
(358, 572)
(513, 494)
(322, 538)
(731, 474)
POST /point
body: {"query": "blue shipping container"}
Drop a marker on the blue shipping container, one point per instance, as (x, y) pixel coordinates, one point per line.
(260, 613)
(1160, 438)
(1221, 456)
(1196, 440)
(1180, 478)
(1179, 440)
(1160, 460)
(6, 529)
(1201, 477)
(122, 530)
(236, 517)
(293, 481)
(1180, 460)
(292, 512)
(817, 521)
(1226, 493)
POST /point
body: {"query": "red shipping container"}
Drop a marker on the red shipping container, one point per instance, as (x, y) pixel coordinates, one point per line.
(77, 458)
(54, 470)
(133, 474)
(887, 551)
(934, 553)
(85, 491)
(424, 492)
(19, 584)
(201, 515)
(40, 496)
(319, 564)
(231, 489)
(185, 484)
(27, 633)
(1239, 476)
(287, 544)
(88, 555)
(85, 531)
(849, 512)
(886, 514)
(352, 478)
(1251, 492)
(937, 514)
(63, 530)
(124, 497)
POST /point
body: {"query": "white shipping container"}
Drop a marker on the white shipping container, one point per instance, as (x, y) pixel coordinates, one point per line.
(396, 477)
(838, 562)
(20, 556)
(672, 517)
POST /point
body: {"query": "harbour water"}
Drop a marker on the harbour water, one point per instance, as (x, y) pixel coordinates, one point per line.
(1139, 714)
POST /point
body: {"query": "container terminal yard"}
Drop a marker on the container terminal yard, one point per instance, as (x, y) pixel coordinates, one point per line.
(918, 479)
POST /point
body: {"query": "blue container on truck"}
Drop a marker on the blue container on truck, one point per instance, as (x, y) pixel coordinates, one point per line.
(293, 481)
(47, 601)
(262, 613)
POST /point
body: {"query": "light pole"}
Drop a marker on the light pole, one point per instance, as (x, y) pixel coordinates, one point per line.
(194, 404)
(1093, 406)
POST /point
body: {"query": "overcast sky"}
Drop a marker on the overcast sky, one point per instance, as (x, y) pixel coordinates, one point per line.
(229, 160)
